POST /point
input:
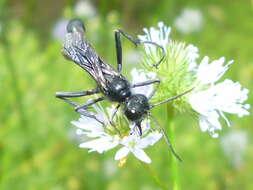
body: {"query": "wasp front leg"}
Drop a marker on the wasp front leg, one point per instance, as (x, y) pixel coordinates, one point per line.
(136, 41)
(148, 82)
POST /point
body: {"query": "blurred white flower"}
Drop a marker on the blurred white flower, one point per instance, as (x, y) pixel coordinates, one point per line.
(226, 96)
(190, 20)
(100, 140)
(135, 144)
(84, 8)
(109, 168)
(234, 145)
(141, 76)
(159, 36)
(59, 29)
(132, 57)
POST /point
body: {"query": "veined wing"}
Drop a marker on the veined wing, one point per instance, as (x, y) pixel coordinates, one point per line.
(77, 49)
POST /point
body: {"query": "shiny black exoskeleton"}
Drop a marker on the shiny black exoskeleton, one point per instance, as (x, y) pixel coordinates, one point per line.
(136, 107)
(118, 90)
(110, 83)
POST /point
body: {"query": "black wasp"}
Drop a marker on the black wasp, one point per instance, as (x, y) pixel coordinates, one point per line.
(110, 82)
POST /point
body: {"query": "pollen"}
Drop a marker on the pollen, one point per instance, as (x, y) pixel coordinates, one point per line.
(122, 162)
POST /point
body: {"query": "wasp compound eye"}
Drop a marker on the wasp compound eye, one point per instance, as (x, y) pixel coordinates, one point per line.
(75, 25)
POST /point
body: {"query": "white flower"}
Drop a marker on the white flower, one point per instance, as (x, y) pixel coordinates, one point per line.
(208, 73)
(226, 96)
(234, 145)
(190, 20)
(159, 36)
(141, 76)
(135, 144)
(59, 29)
(97, 139)
(100, 140)
(84, 8)
(192, 56)
(173, 50)
(180, 70)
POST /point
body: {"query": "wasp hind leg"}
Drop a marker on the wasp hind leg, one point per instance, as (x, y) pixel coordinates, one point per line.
(81, 108)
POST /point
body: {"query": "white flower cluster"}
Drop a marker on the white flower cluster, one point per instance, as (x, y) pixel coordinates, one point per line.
(59, 29)
(234, 145)
(100, 140)
(160, 36)
(210, 98)
(84, 8)
(190, 20)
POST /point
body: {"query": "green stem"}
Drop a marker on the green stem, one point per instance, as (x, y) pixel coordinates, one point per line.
(174, 162)
(154, 176)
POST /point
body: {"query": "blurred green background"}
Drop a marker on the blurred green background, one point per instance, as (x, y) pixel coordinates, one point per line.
(38, 148)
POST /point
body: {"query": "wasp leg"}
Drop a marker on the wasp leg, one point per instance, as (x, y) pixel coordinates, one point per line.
(91, 102)
(118, 51)
(76, 94)
(171, 99)
(86, 113)
(145, 83)
(114, 112)
(136, 41)
(81, 108)
(117, 33)
(148, 82)
(113, 115)
(163, 52)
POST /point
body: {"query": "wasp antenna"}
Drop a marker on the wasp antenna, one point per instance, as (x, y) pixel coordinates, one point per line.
(171, 99)
(75, 24)
(166, 138)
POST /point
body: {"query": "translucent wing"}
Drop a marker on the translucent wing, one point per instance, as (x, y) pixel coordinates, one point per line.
(77, 49)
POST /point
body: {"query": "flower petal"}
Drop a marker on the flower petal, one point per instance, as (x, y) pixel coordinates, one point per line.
(209, 73)
(100, 144)
(141, 76)
(141, 155)
(121, 153)
(149, 140)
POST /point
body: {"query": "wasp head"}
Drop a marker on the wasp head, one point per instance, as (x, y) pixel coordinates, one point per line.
(75, 25)
(136, 107)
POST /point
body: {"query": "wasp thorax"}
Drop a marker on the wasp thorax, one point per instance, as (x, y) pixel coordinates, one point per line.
(136, 107)
(75, 25)
(118, 90)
